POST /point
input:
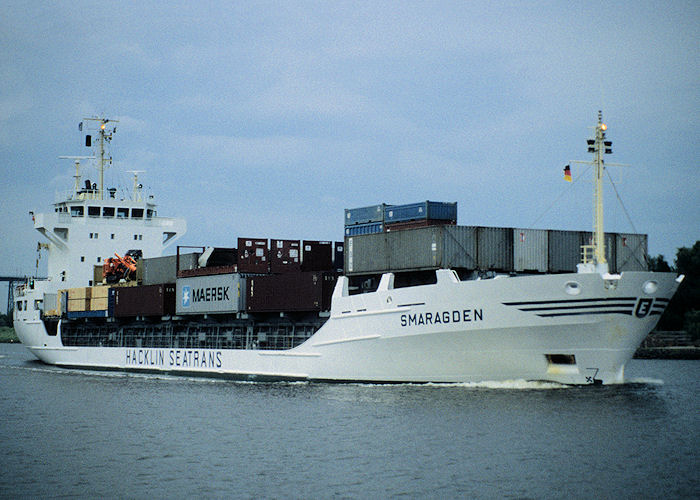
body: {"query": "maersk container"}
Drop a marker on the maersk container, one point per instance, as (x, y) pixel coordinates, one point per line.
(215, 294)
(610, 248)
(285, 256)
(317, 256)
(495, 250)
(631, 252)
(365, 215)
(425, 248)
(290, 292)
(158, 270)
(252, 255)
(147, 300)
(530, 250)
(564, 249)
(435, 210)
(367, 228)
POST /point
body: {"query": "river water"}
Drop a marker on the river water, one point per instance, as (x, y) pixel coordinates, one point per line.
(75, 433)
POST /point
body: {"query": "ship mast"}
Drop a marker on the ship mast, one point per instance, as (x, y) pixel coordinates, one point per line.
(599, 147)
(103, 136)
(594, 255)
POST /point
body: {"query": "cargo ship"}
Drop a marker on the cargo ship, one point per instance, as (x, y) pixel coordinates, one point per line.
(407, 296)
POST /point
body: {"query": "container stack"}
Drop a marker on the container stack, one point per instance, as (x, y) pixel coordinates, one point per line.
(499, 249)
(386, 218)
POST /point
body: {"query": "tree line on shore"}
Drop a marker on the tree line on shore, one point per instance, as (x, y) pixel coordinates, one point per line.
(683, 312)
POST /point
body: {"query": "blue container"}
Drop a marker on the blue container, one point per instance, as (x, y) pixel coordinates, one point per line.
(425, 210)
(365, 215)
(369, 228)
(86, 314)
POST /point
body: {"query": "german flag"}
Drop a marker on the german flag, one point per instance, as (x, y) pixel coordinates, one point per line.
(567, 173)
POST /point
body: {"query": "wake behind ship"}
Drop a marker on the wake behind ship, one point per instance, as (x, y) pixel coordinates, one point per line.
(408, 296)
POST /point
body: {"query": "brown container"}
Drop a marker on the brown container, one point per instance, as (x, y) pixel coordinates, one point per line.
(412, 224)
(285, 256)
(304, 291)
(149, 300)
(317, 256)
(207, 271)
(252, 255)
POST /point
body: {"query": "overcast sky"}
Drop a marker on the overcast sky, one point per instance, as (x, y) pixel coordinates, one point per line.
(267, 119)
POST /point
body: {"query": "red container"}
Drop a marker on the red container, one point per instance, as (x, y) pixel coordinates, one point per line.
(317, 256)
(285, 256)
(253, 255)
(412, 224)
(149, 300)
(290, 292)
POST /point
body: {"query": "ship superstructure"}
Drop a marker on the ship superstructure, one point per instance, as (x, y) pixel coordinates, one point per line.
(450, 311)
(90, 223)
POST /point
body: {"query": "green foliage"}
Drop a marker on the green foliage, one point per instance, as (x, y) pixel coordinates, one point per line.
(5, 320)
(658, 264)
(684, 310)
(8, 334)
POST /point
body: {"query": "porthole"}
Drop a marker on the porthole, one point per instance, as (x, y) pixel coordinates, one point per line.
(650, 287)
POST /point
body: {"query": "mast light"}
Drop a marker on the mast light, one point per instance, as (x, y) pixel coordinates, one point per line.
(603, 126)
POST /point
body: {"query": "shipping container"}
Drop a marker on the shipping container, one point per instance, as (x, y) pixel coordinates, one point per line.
(495, 250)
(78, 299)
(631, 252)
(253, 255)
(220, 293)
(146, 300)
(87, 314)
(98, 298)
(564, 249)
(530, 250)
(367, 228)
(159, 270)
(586, 238)
(434, 210)
(365, 215)
(338, 256)
(285, 256)
(412, 224)
(425, 248)
(290, 292)
(317, 256)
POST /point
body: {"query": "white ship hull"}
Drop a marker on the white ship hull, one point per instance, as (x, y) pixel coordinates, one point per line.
(568, 328)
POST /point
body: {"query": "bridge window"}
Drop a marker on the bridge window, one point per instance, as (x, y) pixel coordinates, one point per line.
(122, 213)
(76, 211)
(93, 211)
(107, 211)
(137, 213)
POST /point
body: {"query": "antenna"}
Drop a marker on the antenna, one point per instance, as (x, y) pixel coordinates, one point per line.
(77, 168)
(137, 186)
(104, 135)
